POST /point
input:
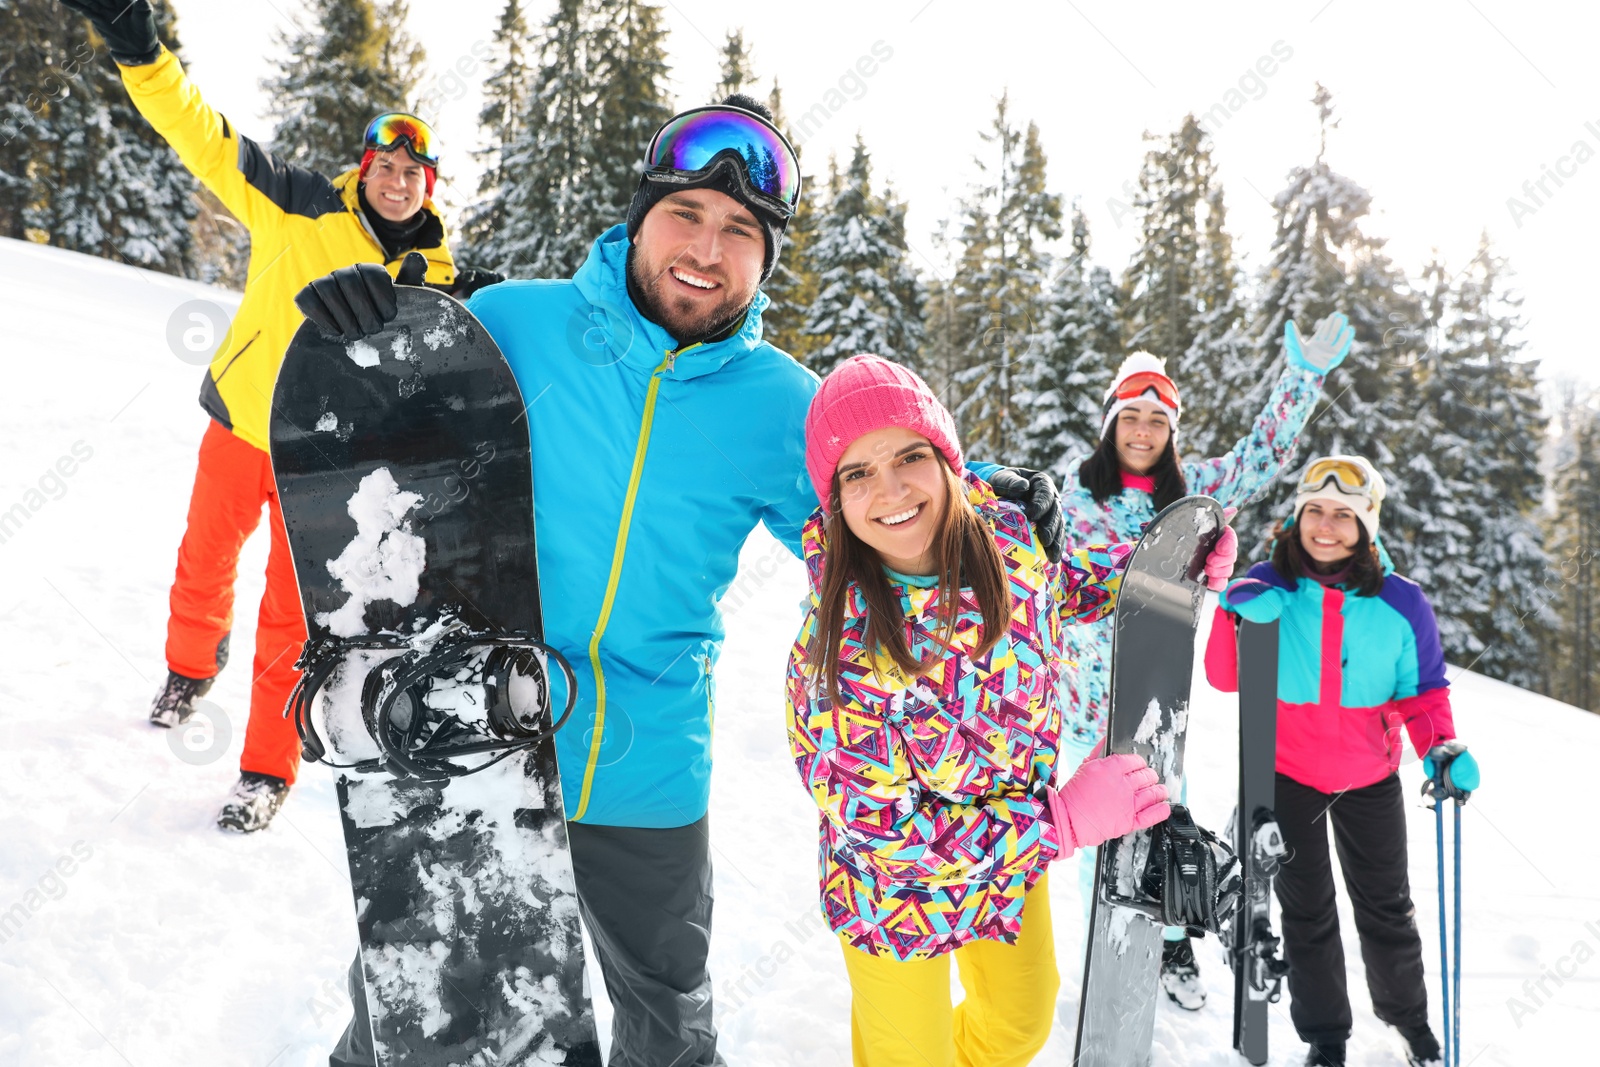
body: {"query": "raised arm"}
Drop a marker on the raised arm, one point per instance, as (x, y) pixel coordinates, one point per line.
(257, 186)
(1262, 454)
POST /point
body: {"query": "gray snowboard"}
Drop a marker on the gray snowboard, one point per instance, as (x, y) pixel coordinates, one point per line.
(1158, 611)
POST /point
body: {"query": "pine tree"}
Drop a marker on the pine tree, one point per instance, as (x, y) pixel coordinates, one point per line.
(736, 67)
(1322, 262)
(630, 73)
(104, 182)
(999, 283)
(1217, 367)
(1479, 452)
(870, 299)
(569, 163)
(1572, 587)
(38, 64)
(544, 219)
(506, 93)
(1065, 370)
(793, 285)
(344, 63)
(1160, 300)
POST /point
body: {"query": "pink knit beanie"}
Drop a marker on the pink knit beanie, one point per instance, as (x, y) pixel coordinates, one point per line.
(867, 393)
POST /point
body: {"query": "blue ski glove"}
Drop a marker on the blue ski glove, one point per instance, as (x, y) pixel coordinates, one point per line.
(1326, 349)
(1253, 600)
(1455, 765)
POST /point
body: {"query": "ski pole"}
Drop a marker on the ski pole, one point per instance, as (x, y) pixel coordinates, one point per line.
(1455, 1041)
(1444, 940)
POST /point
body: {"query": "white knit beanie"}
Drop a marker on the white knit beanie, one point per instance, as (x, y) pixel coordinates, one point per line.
(1139, 363)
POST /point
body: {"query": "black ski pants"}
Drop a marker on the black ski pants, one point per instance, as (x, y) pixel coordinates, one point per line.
(1369, 831)
(645, 897)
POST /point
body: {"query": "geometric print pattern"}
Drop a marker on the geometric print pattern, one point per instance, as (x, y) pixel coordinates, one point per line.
(1249, 467)
(934, 821)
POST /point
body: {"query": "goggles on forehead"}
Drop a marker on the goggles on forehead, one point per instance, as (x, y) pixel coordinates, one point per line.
(388, 132)
(1351, 476)
(693, 145)
(1135, 386)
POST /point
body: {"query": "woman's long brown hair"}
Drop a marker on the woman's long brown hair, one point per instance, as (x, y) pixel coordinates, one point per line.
(965, 555)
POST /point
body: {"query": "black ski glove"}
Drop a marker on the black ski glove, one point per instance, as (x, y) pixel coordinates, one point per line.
(469, 281)
(351, 303)
(1036, 492)
(129, 29)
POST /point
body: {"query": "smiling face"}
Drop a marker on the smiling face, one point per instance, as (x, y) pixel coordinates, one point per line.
(893, 492)
(1142, 435)
(396, 185)
(697, 261)
(1328, 531)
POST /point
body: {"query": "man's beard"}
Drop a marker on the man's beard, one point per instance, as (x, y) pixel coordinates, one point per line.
(679, 315)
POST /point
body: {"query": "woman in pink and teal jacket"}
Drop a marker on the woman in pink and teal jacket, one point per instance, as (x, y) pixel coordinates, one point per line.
(1360, 671)
(1113, 493)
(923, 695)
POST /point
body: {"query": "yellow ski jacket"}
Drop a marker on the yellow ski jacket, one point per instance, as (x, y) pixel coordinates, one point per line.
(301, 227)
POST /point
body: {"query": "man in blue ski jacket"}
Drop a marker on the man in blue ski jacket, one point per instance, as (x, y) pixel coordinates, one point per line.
(664, 428)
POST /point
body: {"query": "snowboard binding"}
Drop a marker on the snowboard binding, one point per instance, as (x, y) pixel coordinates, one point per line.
(419, 740)
(1190, 877)
(1257, 951)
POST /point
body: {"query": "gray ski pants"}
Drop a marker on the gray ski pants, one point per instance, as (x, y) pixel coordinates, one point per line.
(645, 897)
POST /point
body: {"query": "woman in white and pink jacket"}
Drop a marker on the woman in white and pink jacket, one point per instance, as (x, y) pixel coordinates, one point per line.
(1113, 493)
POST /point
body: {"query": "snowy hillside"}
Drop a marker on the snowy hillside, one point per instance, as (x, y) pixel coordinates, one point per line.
(132, 931)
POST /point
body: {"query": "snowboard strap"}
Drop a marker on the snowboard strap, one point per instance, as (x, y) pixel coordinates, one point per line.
(415, 744)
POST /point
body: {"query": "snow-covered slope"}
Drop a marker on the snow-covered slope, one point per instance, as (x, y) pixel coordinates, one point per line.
(132, 931)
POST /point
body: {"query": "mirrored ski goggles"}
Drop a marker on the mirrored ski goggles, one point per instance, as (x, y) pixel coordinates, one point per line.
(692, 145)
(1135, 385)
(1351, 476)
(388, 132)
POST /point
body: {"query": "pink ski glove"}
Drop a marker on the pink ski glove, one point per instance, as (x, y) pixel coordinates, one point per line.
(1107, 797)
(1219, 565)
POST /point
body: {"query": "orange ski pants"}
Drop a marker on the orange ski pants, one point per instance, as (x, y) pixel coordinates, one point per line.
(231, 483)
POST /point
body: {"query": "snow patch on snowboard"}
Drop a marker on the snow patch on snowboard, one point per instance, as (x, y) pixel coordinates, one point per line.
(451, 325)
(361, 353)
(385, 559)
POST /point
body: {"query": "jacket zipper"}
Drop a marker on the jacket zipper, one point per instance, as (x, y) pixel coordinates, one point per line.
(617, 556)
(711, 708)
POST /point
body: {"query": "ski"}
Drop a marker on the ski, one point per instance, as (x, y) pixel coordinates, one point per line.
(1253, 949)
(1157, 614)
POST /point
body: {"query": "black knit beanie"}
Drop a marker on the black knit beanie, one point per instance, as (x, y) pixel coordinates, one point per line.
(651, 193)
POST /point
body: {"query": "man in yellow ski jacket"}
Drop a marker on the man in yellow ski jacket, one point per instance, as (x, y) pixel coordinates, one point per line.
(302, 225)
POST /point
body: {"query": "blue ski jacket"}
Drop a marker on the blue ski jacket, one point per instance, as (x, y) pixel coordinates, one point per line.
(651, 465)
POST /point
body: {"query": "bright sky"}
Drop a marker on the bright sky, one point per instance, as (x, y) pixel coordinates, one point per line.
(1446, 109)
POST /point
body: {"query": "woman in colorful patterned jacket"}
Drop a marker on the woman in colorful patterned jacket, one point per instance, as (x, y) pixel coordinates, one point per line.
(1112, 494)
(1358, 661)
(924, 719)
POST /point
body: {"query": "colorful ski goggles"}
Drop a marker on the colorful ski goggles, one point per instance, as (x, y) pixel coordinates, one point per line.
(1134, 386)
(388, 132)
(1354, 475)
(691, 146)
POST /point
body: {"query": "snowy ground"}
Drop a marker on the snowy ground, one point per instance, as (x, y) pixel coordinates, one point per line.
(132, 931)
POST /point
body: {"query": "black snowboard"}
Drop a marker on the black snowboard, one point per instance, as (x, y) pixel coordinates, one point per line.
(1152, 661)
(1253, 949)
(403, 467)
